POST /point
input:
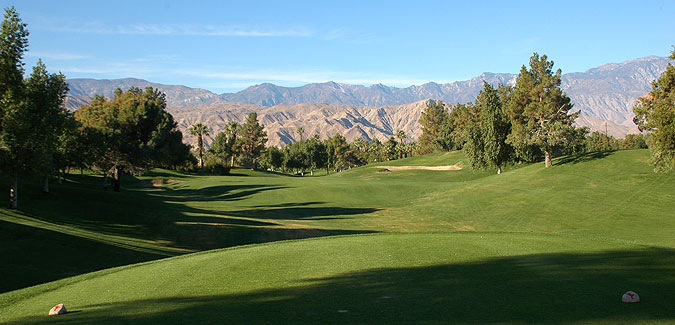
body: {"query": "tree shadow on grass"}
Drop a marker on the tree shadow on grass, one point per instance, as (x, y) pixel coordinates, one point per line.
(542, 288)
(212, 193)
(33, 255)
(585, 157)
(138, 225)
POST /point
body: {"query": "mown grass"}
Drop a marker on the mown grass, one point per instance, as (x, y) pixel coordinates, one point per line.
(595, 223)
(439, 277)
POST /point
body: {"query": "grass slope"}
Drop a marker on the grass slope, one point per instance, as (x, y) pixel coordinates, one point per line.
(441, 277)
(562, 240)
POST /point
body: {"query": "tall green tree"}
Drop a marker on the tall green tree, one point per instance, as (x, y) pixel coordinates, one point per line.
(200, 130)
(45, 96)
(538, 108)
(431, 120)
(455, 130)
(77, 146)
(220, 148)
(486, 145)
(300, 131)
(655, 113)
(13, 44)
(340, 155)
(272, 158)
(135, 127)
(317, 156)
(252, 140)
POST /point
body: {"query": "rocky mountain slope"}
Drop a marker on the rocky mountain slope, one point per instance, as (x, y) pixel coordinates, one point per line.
(605, 96)
(282, 121)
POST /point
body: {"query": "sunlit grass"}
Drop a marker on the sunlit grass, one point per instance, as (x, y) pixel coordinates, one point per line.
(608, 212)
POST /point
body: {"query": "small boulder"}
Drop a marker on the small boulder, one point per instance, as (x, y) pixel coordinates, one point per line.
(58, 310)
(630, 297)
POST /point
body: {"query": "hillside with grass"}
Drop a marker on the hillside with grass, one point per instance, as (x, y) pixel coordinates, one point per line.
(556, 245)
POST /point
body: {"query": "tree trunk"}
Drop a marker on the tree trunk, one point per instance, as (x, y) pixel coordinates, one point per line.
(201, 151)
(499, 170)
(116, 179)
(547, 153)
(59, 179)
(232, 161)
(45, 185)
(14, 191)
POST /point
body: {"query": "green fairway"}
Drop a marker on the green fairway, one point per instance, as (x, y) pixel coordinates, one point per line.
(557, 245)
(461, 277)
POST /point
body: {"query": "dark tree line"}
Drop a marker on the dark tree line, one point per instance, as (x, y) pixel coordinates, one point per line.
(655, 113)
(32, 117)
(38, 136)
(334, 154)
(243, 143)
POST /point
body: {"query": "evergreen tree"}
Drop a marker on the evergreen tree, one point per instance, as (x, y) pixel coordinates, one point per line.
(432, 119)
(633, 141)
(220, 148)
(597, 141)
(46, 117)
(13, 108)
(13, 44)
(340, 155)
(656, 113)
(486, 144)
(252, 140)
(456, 130)
(538, 110)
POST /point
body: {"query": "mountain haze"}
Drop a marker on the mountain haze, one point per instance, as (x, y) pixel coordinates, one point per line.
(605, 96)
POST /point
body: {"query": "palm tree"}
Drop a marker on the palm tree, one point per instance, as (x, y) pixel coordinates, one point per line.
(232, 130)
(200, 130)
(400, 135)
(300, 131)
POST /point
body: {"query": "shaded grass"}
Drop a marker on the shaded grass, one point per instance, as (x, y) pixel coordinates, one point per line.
(438, 278)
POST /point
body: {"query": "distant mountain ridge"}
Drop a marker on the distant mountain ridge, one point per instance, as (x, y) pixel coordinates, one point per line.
(604, 95)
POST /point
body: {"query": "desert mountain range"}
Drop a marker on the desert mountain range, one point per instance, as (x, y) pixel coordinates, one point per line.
(604, 96)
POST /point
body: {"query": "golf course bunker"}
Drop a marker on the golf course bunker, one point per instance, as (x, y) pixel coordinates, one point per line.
(395, 168)
(155, 182)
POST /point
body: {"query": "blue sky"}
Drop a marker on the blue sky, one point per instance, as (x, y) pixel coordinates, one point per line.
(226, 46)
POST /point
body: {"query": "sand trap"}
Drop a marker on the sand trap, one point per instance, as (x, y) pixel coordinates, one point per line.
(394, 168)
(155, 182)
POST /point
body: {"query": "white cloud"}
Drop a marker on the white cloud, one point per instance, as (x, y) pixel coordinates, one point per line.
(334, 34)
(57, 55)
(183, 30)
